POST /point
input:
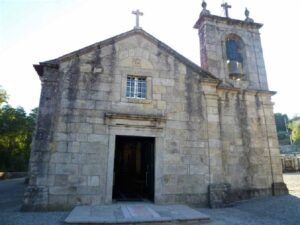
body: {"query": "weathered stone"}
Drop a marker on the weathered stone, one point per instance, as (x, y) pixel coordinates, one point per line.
(85, 68)
(279, 188)
(78, 158)
(93, 181)
(61, 180)
(175, 169)
(61, 190)
(94, 147)
(219, 195)
(98, 138)
(66, 169)
(60, 158)
(212, 136)
(200, 169)
(94, 169)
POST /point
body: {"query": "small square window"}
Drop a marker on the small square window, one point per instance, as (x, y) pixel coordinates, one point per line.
(136, 87)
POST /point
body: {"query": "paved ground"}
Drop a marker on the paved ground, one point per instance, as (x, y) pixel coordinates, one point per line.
(283, 210)
(11, 194)
(130, 212)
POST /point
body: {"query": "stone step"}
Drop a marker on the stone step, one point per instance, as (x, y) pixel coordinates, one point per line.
(135, 213)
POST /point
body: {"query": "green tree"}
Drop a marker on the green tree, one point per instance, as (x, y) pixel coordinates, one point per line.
(16, 129)
(294, 125)
(3, 96)
(283, 133)
(281, 121)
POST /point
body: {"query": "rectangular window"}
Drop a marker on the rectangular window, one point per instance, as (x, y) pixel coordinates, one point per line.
(136, 87)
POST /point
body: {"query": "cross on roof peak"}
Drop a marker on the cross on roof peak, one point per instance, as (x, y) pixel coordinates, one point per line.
(226, 7)
(137, 14)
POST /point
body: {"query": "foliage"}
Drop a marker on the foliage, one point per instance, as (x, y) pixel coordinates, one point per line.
(3, 96)
(16, 129)
(283, 133)
(281, 121)
(294, 125)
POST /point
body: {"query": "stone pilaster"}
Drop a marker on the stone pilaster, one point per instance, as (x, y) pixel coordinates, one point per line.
(218, 190)
(36, 194)
(278, 185)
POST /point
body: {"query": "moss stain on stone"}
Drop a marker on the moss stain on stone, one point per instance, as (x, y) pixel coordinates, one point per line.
(242, 118)
(224, 153)
(73, 78)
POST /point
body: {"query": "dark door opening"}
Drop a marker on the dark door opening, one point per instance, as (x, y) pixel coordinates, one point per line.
(134, 169)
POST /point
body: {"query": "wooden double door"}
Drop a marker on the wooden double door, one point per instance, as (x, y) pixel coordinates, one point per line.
(134, 168)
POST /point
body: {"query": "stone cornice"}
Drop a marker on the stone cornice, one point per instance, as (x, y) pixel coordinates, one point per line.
(39, 68)
(225, 20)
(250, 91)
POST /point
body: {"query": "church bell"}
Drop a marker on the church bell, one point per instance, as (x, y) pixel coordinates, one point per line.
(235, 69)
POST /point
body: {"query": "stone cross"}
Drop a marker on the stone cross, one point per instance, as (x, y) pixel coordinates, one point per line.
(226, 7)
(137, 14)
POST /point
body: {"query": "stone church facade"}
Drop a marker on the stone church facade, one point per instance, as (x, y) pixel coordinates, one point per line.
(129, 118)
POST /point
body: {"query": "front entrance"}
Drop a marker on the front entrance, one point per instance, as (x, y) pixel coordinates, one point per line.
(134, 169)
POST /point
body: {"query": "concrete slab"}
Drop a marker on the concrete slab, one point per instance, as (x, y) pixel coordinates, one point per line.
(135, 213)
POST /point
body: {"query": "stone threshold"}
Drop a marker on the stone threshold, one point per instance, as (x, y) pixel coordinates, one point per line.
(135, 213)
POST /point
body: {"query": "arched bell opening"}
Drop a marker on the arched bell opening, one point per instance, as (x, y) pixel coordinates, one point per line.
(235, 59)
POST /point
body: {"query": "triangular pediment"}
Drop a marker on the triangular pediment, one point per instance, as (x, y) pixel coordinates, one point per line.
(194, 67)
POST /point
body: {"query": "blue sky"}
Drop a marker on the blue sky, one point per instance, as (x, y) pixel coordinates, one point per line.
(32, 31)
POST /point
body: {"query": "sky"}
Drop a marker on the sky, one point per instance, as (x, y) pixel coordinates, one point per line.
(33, 31)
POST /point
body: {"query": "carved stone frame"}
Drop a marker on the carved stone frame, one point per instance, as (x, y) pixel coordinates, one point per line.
(126, 129)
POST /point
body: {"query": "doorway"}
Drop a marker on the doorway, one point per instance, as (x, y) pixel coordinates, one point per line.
(134, 169)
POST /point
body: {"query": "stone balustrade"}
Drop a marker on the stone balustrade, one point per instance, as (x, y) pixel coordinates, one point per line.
(290, 162)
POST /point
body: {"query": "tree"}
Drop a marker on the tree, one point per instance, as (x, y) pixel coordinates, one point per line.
(283, 133)
(294, 125)
(281, 121)
(3, 96)
(16, 129)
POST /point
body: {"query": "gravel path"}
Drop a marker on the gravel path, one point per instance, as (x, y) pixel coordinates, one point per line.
(282, 210)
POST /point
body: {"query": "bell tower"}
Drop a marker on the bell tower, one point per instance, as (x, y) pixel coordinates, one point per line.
(231, 49)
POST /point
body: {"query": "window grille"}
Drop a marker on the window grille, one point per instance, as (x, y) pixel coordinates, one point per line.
(136, 87)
